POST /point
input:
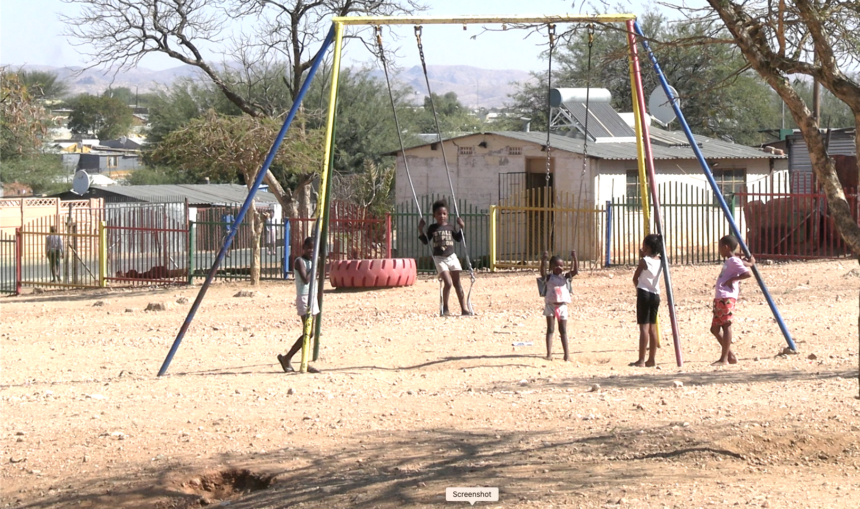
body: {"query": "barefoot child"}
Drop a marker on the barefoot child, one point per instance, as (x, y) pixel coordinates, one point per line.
(448, 266)
(647, 282)
(735, 269)
(302, 274)
(557, 298)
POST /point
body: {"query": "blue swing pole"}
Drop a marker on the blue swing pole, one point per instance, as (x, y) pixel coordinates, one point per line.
(706, 169)
(245, 206)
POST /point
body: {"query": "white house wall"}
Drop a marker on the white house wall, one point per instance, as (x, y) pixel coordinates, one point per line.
(699, 227)
(476, 177)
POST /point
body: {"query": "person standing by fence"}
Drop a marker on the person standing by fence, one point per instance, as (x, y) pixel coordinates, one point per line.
(227, 219)
(54, 252)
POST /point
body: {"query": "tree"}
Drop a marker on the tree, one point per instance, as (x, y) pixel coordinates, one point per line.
(104, 117)
(23, 118)
(232, 149)
(43, 85)
(119, 34)
(23, 122)
(454, 117)
(365, 125)
(158, 175)
(816, 39)
(129, 97)
(185, 99)
(43, 173)
(721, 97)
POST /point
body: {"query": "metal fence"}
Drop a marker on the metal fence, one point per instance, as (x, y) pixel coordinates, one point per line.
(693, 224)
(146, 243)
(541, 219)
(8, 263)
(64, 255)
(348, 239)
(207, 237)
(405, 243)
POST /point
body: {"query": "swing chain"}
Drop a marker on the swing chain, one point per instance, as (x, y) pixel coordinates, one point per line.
(418, 30)
(378, 31)
(551, 32)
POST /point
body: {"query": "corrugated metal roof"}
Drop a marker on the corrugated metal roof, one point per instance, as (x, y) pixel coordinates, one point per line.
(197, 194)
(711, 148)
(666, 145)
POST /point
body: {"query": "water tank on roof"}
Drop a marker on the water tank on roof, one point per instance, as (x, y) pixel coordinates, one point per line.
(559, 96)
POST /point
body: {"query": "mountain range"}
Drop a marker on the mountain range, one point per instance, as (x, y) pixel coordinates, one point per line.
(475, 87)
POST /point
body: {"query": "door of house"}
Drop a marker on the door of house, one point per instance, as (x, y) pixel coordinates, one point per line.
(539, 193)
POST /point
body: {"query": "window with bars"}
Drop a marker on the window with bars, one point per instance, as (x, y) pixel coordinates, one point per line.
(466, 151)
(111, 161)
(632, 188)
(515, 151)
(730, 181)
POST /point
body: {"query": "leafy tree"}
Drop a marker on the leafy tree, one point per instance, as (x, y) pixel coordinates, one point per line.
(129, 97)
(454, 117)
(185, 99)
(158, 175)
(228, 148)
(23, 118)
(43, 173)
(365, 125)
(104, 117)
(23, 122)
(232, 148)
(43, 85)
(720, 97)
(815, 39)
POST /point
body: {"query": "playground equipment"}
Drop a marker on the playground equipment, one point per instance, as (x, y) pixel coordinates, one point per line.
(385, 273)
(335, 36)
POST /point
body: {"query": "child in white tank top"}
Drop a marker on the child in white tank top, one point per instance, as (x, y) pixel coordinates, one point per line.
(647, 282)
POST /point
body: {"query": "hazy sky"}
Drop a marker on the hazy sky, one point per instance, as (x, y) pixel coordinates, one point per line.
(30, 33)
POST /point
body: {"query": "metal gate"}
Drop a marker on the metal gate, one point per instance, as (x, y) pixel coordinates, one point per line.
(64, 255)
(8, 263)
(146, 243)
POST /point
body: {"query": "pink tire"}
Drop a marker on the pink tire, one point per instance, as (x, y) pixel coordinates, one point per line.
(384, 273)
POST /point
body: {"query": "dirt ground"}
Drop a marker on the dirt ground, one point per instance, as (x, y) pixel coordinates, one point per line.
(409, 404)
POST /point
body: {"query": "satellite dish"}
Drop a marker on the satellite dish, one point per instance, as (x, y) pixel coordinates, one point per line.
(660, 108)
(81, 183)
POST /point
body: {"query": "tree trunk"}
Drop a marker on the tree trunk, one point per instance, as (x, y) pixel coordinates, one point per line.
(257, 226)
(748, 39)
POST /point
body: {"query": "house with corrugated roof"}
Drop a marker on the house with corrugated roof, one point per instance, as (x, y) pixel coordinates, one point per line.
(488, 167)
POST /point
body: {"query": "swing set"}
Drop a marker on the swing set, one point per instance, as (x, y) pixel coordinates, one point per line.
(647, 178)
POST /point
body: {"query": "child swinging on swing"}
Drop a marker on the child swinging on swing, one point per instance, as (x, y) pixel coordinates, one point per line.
(556, 292)
(447, 264)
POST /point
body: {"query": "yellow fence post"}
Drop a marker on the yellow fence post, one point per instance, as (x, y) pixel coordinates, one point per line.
(102, 253)
(492, 238)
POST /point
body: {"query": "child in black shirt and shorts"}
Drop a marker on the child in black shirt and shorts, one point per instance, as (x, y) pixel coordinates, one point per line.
(443, 236)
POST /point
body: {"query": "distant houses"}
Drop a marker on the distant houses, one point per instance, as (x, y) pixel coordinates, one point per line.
(111, 158)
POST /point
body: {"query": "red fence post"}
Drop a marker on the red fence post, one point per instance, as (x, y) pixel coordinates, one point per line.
(388, 235)
(18, 253)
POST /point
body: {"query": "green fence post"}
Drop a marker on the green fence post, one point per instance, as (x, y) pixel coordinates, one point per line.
(191, 244)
